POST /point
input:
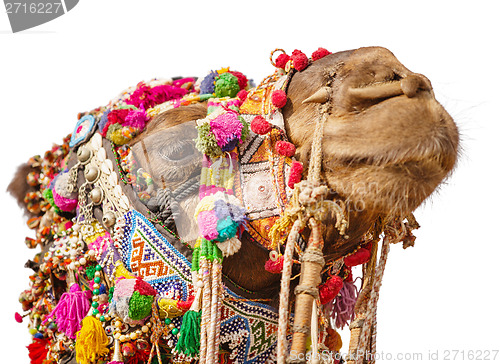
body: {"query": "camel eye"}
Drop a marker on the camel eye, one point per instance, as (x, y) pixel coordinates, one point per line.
(177, 151)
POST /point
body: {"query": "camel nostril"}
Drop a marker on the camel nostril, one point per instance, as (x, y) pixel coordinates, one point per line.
(414, 83)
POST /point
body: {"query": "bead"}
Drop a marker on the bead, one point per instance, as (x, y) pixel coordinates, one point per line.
(171, 326)
(95, 292)
(95, 304)
(168, 321)
(102, 318)
(118, 324)
(117, 335)
(95, 311)
(91, 253)
(98, 267)
(145, 329)
(133, 336)
(97, 279)
(122, 338)
(175, 331)
(149, 324)
(83, 261)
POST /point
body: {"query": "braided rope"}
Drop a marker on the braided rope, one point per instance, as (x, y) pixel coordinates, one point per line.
(370, 318)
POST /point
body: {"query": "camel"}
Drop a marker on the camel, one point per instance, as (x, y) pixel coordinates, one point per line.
(386, 145)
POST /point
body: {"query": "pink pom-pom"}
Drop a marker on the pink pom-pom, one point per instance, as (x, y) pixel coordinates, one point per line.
(285, 148)
(261, 126)
(282, 60)
(274, 266)
(242, 95)
(18, 317)
(136, 119)
(278, 98)
(330, 289)
(207, 223)
(300, 60)
(64, 204)
(360, 257)
(295, 174)
(320, 53)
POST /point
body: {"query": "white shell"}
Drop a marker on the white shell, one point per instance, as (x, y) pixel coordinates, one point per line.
(105, 169)
(124, 202)
(101, 154)
(118, 191)
(96, 141)
(113, 178)
(109, 164)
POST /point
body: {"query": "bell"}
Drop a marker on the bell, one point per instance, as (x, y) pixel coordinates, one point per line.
(91, 173)
(108, 219)
(96, 195)
(117, 353)
(84, 155)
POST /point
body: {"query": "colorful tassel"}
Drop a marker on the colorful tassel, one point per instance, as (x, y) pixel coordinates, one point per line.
(70, 311)
(91, 341)
(189, 339)
(38, 351)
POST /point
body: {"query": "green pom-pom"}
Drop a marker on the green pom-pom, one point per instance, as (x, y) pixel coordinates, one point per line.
(226, 85)
(139, 306)
(206, 142)
(189, 339)
(48, 195)
(227, 228)
(195, 261)
(90, 272)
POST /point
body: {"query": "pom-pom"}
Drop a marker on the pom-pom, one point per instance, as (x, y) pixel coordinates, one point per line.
(207, 224)
(320, 53)
(360, 257)
(18, 317)
(242, 79)
(226, 85)
(300, 60)
(91, 341)
(140, 306)
(230, 246)
(282, 60)
(295, 173)
(278, 98)
(275, 266)
(207, 85)
(333, 340)
(242, 95)
(136, 119)
(38, 350)
(330, 289)
(285, 148)
(260, 125)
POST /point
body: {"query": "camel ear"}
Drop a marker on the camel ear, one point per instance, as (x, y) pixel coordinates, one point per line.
(19, 186)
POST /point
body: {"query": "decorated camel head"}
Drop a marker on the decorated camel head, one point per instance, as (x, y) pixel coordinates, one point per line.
(183, 220)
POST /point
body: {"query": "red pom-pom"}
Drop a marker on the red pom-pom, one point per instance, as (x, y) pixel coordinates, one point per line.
(300, 60)
(320, 53)
(38, 350)
(242, 79)
(259, 125)
(295, 174)
(144, 288)
(282, 60)
(278, 98)
(360, 257)
(330, 289)
(274, 266)
(18, 317)
(185, 305)
(242, 95)
(285, 148)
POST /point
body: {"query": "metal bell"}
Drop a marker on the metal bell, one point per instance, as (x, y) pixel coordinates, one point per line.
(96, 195)
(109, 219)
(91, 173)
(84, 154)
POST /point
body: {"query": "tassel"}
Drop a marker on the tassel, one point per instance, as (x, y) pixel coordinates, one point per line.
(91, 341)
(117, 354)
(38, 351)
(70, 311)
(343, 307)
(189, 338)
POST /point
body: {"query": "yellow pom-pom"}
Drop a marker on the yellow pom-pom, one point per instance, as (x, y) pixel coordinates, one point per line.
(91, 341)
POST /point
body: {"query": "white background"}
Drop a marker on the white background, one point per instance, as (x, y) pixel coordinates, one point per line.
(443, 294)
